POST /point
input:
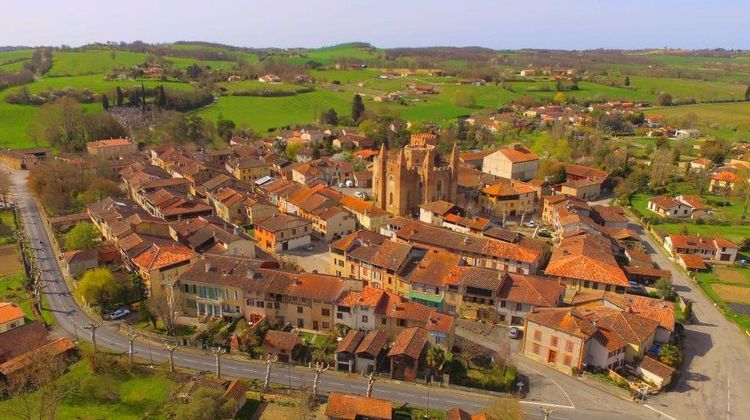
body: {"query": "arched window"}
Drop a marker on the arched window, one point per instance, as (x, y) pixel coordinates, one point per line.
(439, 187)
(390, 198)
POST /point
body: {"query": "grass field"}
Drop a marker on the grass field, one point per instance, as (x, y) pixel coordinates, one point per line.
(727, 120)
(140, 396)
(682, 88)
(729, 294)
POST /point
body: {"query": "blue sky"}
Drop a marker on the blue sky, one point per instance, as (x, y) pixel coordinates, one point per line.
(511, 24)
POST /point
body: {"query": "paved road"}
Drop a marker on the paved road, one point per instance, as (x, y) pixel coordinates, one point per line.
(588, 404)
(716, 376)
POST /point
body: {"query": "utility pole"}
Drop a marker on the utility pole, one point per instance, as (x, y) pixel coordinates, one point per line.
(93, 326)
(318, 368)
(371, 378)
(218, 352)
(131, 339)
(72, 314)
(270, 360)
(170, 348)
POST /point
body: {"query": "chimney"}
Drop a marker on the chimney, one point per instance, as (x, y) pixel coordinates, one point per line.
(208, 266)
(297, 280)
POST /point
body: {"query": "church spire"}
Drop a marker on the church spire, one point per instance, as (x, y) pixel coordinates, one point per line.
(454, 157)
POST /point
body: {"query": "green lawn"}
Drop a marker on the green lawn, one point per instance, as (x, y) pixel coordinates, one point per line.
(72, 63)
(141, 396)
(707, 281)
(725, 120)
(344, 76)
(12, 290)
(681, 88)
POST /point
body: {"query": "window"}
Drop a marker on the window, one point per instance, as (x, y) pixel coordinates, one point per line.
(260, 304)
(519, 306)
(401, 322)
(537, 335)
(569, 346)
(553, 341)
(502, 303)
(326, 312)
(567, 360)
(300, 323)
(339, 315)
(326, 325)
(383, 321)
(299, 309)
(364, 318)
(535, 348)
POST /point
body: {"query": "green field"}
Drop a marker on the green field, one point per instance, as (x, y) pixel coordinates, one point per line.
(719, 287)
(13, 60)
(728, 120)
(681, 88)
(140, 396)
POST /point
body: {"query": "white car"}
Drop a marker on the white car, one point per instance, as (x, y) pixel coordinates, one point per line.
(341, 185)
(359, 194)
(119, 313)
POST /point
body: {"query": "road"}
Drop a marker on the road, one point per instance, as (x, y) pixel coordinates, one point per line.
(716, 375)
(588, 403)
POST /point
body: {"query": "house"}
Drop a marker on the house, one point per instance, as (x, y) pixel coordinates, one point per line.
(232, 390)
(282, 232)
(24, 158)
(460, 224)
(669, 207)
(345, 350)
(355, 407)
(655, 372)
(112, 148)
(407, 352)
(434, 211)
(79, 260)
(575, 172)
(687, 133)
(513, 162)
(507, 198)
(370, 354)
(587, 262)
(658, 310)
(363, 179)
(160, 264)
(475, 159)
(258, 209)
(528, 73)
(520, 294)
(701, 164)
(248, 168)
(170, 206)
(717, 250)
(230, 205)
(212, 236)
(281, 344)
(269, 78)
(723, 182)
(585, 189)
(11, 316)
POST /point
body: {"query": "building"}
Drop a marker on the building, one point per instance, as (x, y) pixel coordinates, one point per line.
(717, 250)
(78, 261)
(212, 236)
(282, 232)
(434, 212)
(24, 343)
(112, 148)
(11, 316)
(585, 189)
(417, 175)
(507, 199)
(356, 407)
(362, 351)
(723, 182)
(248, 168)
(682, 206)
(159, 265)
(513, 162)
(587, 262)
(406, 353)
(23, 158)
(281, 344)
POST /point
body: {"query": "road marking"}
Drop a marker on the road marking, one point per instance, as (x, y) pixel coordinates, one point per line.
(405, 395)
(660, 412)
(571, 407)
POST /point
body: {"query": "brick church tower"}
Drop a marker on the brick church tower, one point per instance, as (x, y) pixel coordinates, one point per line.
(417, 175)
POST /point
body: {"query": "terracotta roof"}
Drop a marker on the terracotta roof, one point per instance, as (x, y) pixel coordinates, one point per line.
(656, 367)
(532, 290)
(98, 144)
(44, 351)
(372, 343)
(586, 258)
(630, 326)
(664, 202)
(694, 201)
(157, 256)
(459, 414)
(237, 390)
(440, 207)
(389, 255)
(281, 340)
(517, 154)
(584, 171)
(698, 242)
(350, 342)
(80, 255)
(658, 310)
(478, 277)
(357, 205)
(410, 342)
(351, 407)
(20, 340)
(725, 176)
(692, 261)
(439, 322)
(435, 269)
(369, 297)
(10, 311)
(281, 221)
(478, 223)
(646, 271)
(568, 320)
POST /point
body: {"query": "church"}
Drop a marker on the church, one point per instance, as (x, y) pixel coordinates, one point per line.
(417, 175)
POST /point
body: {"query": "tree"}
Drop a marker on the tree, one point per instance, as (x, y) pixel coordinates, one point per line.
(161, 99)
(505, 408)
(330, 117)
(665, 288)
(225, 128)
(119, 97)
(560, 98)
(206, 403)
(99, 189)
(662, 168)
(670, 354)
(468, 351)
(559, 177)
(747, 93)
(166, 310)
(105, 102)
(664, 99)
(4, 187)
(435, 358)
(465, 99)
(99, 287)
(627, 81)
(37, 389)
(358, 108)
(83, 235)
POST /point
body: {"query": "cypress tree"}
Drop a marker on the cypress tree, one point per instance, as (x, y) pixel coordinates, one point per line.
(105, 102)
(627, 81)
(747, 93)
(119, 99)
(358, 108)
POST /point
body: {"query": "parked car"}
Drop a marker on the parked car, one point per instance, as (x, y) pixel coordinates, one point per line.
(349, 183)
(360, 194)
(309, 247)
(531, 223)
(514, 333)
(341, 185)
(119, 313)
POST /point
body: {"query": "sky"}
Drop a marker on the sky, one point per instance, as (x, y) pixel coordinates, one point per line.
(499, 24)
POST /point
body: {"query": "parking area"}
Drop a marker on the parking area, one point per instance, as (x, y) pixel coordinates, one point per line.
(314, 260)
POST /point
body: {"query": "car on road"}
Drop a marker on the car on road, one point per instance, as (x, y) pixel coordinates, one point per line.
(349, 183)
(309, 247)
(119, 313)
(341, 185)
(360, 194)
(515, 333)
(531, 223)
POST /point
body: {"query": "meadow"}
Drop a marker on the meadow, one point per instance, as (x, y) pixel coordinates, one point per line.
(725, 120)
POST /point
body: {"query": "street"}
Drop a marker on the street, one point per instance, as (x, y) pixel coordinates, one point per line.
(568, 397)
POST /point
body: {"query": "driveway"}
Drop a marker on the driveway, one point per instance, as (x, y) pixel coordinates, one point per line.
(716, 375)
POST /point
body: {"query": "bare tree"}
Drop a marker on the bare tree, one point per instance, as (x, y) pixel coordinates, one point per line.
(92, 327)
(5, 184)
(318, 368)
(371, 378)
(132, 336)
(218, 352)
(270, 360)
(166, 310)
(37, 389)
(171, 348)
(468, 351)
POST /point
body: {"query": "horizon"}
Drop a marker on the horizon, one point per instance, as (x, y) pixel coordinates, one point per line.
(638, 25)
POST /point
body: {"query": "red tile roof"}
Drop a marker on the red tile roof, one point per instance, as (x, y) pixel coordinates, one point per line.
(10, 311)
(351, 407)
(410, 342)
(586, 257)
(281, 340)
(725, 176)
(157, 256)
